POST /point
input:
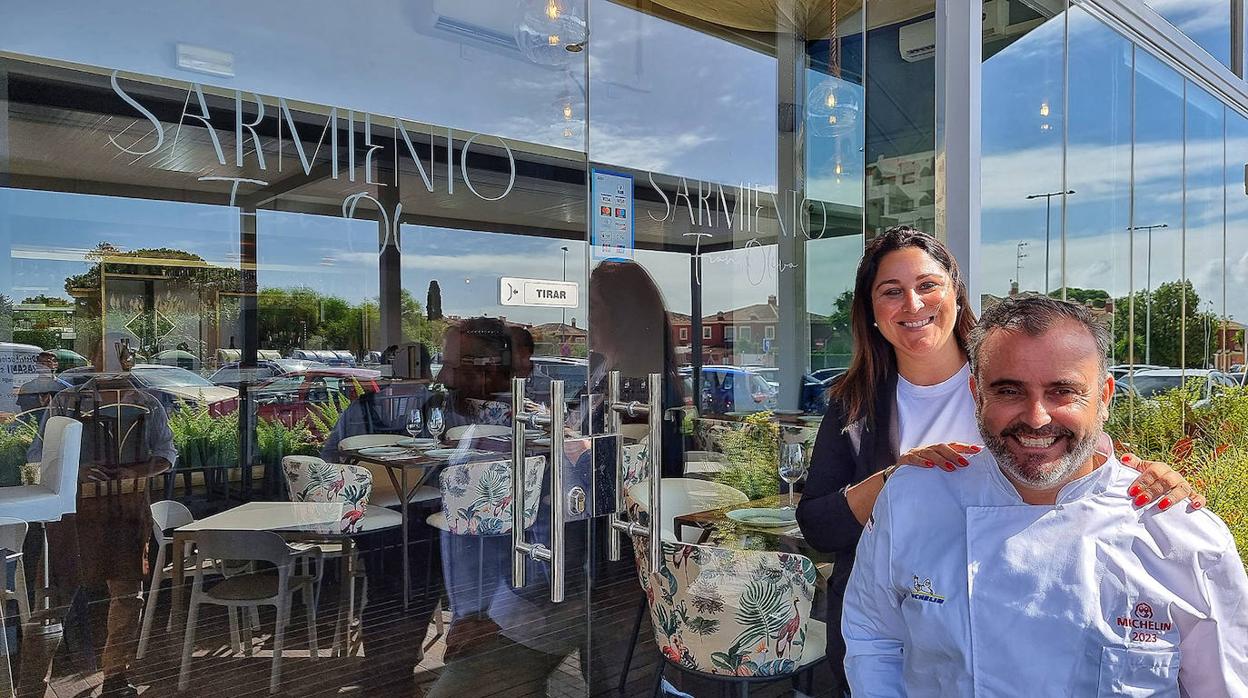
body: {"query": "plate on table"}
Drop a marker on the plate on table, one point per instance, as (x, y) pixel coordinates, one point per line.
(764, 517)
(448, 453)
(384, 451)
(417, 442)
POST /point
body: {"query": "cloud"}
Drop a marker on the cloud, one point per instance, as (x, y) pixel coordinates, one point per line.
(1097, 172)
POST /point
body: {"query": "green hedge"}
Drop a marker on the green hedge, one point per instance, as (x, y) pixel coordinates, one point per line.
(1205, 440)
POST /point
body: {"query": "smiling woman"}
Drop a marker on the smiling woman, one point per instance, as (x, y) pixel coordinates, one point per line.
(905, 399)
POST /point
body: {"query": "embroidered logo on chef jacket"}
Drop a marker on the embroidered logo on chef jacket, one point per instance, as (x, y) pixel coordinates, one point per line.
(922, 591)
(1146, 622)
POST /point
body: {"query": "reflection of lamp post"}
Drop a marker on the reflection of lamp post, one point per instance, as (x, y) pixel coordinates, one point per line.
(1148, 289)
(1018, 262)
(564, 311)
(1048, 198)
(1208, 316)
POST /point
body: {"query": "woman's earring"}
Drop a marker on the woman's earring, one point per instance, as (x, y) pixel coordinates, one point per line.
(876, 324)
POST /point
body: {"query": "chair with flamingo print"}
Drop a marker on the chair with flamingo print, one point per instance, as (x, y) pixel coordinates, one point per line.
(310, 479)
(739, 616)
(476, 504)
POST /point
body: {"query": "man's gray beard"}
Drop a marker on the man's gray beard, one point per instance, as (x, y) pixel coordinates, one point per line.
(1032, 476)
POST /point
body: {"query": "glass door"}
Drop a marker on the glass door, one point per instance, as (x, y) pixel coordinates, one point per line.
(347, 271)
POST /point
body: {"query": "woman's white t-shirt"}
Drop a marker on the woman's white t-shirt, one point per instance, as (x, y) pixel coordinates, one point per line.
(936, 414)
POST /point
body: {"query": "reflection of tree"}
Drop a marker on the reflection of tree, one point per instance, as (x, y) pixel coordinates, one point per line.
(291, 318)
(1170, 302)
(433, 300)
(6, 318)
(186, 293)
(834, 330)
(1082, 296)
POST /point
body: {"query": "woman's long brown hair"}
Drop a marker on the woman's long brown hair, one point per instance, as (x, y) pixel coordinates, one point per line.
(874, 360)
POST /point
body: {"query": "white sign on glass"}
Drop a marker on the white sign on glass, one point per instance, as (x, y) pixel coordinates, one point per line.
(540, 293)
(612, 212)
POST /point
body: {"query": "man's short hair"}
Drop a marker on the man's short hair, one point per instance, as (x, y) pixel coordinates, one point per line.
(1034, 315)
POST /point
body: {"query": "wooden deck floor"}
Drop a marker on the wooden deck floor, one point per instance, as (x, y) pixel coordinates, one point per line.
(402, 654)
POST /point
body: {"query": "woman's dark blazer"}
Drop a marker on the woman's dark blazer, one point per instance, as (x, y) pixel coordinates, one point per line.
(844, 455)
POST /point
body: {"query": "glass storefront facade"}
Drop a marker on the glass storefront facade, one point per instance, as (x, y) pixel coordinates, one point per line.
(256, 233)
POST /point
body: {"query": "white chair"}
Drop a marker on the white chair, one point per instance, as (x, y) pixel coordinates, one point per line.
(385, 491)
(12, 537)
(57, 491)
(367, 440)
(166, 516)
(704, 462)
(479, 431)
(252, 589)
(682, 495)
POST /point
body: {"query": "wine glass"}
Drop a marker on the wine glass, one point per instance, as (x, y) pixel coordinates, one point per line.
(415, 422)
(437, 423)
(792, 466)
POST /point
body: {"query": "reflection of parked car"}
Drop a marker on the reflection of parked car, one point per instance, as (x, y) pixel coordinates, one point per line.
(815, 394)
(1121, 371)
(329, 357)
(1150, 384)
(287, 398)
(232, 374)
(771, 374)
(171, 385)
(734, 389)
(827, 374)
(573, 372)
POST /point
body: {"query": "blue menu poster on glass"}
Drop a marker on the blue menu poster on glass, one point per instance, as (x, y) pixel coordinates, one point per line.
(612, 214)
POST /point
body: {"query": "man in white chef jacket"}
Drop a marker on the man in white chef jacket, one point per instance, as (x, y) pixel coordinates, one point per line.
(1029, 573)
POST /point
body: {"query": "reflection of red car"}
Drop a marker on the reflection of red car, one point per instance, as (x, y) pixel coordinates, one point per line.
(287, 398)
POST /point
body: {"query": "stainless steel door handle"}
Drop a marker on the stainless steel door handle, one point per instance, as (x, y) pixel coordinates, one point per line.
(522, 550)
(653, 412)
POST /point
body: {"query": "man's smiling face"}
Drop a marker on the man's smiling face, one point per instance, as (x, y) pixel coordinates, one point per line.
(1041, 403)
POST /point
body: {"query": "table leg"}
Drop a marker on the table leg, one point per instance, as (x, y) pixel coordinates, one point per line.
(407, 570)
(346, 605)
(177, 553)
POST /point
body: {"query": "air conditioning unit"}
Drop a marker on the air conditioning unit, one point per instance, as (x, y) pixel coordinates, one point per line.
(917, 40)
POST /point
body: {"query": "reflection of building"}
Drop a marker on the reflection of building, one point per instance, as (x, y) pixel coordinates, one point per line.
(558, 339)
(1230, 343)
(746, 330)
(43, 324)
(901, 191)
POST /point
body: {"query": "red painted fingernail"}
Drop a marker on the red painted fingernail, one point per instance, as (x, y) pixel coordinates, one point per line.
(928, 464)
(977, 449)
(1141, 500)
(1134, 491)
(1197, 505)
(1126, 458)
(963, 461)
(1164, 503)
(949, 466)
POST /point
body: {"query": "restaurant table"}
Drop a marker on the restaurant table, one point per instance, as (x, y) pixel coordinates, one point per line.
(718, 529)
(303, 522)
(401, 467)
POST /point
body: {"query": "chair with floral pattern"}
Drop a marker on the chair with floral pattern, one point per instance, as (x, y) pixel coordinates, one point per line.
(476, 501)
(310, 479)
(741, 616)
